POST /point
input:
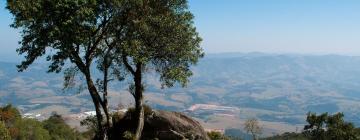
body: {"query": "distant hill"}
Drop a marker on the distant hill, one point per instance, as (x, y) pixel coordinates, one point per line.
(279, 89)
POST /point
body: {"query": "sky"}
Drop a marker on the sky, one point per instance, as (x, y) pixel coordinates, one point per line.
(270, 26)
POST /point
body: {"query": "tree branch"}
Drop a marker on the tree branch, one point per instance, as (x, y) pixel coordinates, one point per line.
(101, 27)
(127, 65)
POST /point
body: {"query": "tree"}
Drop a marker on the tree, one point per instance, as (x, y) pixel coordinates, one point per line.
(138, 35)
(159, 37)
(217, 136)
(76, 32)
(252, 126)
(316, 127)
(9, 114)
(58, 129)
(329, 127)
(31, 129)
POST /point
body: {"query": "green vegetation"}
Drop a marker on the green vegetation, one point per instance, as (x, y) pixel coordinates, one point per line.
(58, 129)
(30, 129)
(4, 132)
(217, 136)
(288, 136)
(329, 127)
(323, 127)
(12, 126)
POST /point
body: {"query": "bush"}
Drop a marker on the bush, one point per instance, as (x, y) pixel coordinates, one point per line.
(217, 136)
(147, 111)
(31, 129)
(9, 114)
(59, 130)
(12, 126)
(128, 135)
(4, 132)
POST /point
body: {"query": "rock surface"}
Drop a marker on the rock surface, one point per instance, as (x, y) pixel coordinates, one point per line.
(164, 125)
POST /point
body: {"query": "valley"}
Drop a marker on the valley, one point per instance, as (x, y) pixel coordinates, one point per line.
(225, 90)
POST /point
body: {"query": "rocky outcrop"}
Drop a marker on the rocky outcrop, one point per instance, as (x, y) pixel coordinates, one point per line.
(163, 125)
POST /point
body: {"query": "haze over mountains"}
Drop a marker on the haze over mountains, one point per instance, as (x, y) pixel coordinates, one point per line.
(279, 89)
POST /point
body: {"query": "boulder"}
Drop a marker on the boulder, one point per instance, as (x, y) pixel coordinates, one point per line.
(163, 125)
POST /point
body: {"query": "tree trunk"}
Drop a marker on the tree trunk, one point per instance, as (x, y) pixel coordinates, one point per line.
(107, 117)
(96, 101)
(139, 101)
(105, 97)
(140, 121)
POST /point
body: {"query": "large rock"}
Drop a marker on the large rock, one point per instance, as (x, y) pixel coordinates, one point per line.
(164, 125)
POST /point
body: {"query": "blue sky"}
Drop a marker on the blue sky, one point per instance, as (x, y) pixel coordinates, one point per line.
(275, 26)
(279, 26)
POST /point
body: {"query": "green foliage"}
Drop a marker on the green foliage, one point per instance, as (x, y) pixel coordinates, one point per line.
(9, 114)
(91, 123)
(59, 130)
(128, 135)
(217, 136)
(234, 138)
(288, 136)
(323, 127)
(160, 35)
(31, 129)
(329, 127)
(64, 26)
(4, 132)
(54, 128)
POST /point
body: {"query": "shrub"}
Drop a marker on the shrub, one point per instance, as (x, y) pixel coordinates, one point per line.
(217, 136)
(4, 132)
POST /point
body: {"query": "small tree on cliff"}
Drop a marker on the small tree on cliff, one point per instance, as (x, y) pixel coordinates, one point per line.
(77, 31)
(252, 126)
(160, 37)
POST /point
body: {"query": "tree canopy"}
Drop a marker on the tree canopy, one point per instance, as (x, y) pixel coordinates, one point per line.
(75, 32)
(329, 127)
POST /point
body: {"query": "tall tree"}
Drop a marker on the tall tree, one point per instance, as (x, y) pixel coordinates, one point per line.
(78, 32)
(159, 37)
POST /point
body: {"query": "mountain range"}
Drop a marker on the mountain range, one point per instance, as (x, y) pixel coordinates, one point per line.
(278, 89)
